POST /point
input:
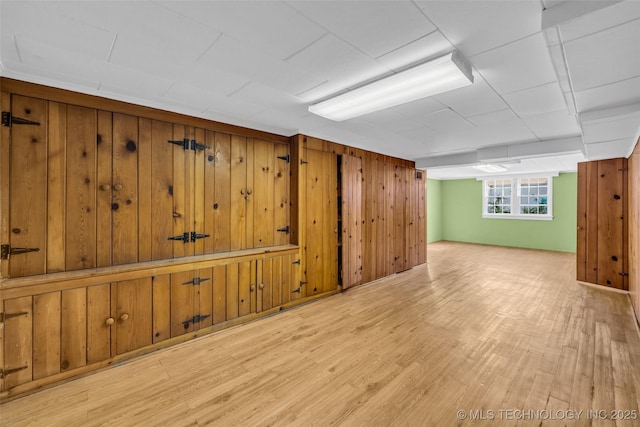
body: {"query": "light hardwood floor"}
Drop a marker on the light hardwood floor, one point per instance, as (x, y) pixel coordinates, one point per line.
(478, 328)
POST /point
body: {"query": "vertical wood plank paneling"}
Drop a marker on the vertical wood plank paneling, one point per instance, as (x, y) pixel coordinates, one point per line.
(189, 179)
(238, 223)
(5, 185)
(281, 194)
(382, 241)
(390, 170)
(276, 281)
(182, 302)
(98, 331)
(80, 230)
(592, 223)
(330, 226)
(232, 290)
(263, 195)
(28, 187)
(46, 335)
(422, 216)
(297, 198)
(198, 184)
(624, 268)
(179, 201)
(162, 190)
(161, 294)
(133, 299)
(145, 200)
(634, 229)
(581, 234)
(244, 288)
(222, 197)
(411, 217)
(257, 291)
(125, 201)
(18, 338)
(205, 297)
(287, 283)
(369, 171)
(73, 329)
(104, 184)
(610, 223)
(219, 294)
(56, 166)
(269, 266)
(250, 225)
(352, 221)
(209, 193)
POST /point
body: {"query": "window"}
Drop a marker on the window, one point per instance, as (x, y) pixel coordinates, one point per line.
(517, 198)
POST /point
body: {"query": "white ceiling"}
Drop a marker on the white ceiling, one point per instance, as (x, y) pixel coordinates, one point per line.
(557, 85)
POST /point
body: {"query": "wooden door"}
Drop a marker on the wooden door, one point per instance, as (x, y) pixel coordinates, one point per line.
(421, 242)
(611, 199)
(131, 308)
(399, 206)
(28, 187)
(351, 221)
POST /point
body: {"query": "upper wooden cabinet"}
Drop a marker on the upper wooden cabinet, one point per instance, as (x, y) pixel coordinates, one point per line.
(91, 188)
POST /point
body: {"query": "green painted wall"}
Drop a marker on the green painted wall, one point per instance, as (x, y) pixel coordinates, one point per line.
(434, 210)
(461, 218)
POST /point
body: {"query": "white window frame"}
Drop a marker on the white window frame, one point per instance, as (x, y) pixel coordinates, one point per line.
(515, 197)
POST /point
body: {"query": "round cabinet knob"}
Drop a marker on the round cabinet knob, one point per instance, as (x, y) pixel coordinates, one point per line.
(253, 288)
(249, 191)
(124, 317)
(117, 187)
(261, 285)
(105, 187)
(242, 191)
(110, 321)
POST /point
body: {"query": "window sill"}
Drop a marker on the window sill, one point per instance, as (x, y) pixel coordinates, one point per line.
(525, 217)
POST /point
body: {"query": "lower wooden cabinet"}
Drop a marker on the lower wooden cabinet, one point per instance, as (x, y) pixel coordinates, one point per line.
(55, 334)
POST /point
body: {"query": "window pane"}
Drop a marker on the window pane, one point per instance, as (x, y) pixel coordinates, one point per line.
(533, 190)
(543, 190)
(524, 191)
(507, 209)
(507, 191)
(543, 200)
(543, 210)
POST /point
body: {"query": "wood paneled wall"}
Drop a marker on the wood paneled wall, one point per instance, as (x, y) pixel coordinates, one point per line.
(634, 227)
(601, 254)
(392, 208)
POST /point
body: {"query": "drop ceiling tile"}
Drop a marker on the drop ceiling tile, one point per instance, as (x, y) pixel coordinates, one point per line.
(373, 27)
(477, 26)
(445, 121)
(472, 100)
(554, 125)
(614, 94)
(605, 57)
(430, 46)
(213, 79)
(419, 108)
(611, 16)
(517, 66)
(494, 118)
(271, 99)
(36, 74)
(238, 59)
(123, 80)
(340, 64)
(36, 21)
(273, 27)
(391, 120)
(610, 129)
(537, 100)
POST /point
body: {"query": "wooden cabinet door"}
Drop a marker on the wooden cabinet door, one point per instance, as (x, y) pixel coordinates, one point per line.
(241, 155)
(191, 301)
(28, 187)
(351, 221)
(131, 308)
(18, 342)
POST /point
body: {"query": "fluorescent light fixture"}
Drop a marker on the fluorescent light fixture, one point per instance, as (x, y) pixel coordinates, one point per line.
(442, 74)
(485, 167)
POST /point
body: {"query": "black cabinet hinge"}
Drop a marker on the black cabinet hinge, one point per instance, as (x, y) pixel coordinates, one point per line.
(6, 251)
(302, 282)
(5, 372)
(196, 281)
(623, 274)
(5, 316)
(283, 229)
(296, 262)
(285, 158)
(194, 319)
(297, 291)
(184, 237)
(8, 120)
(195, 236)
(189, 144)
(303, 162)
